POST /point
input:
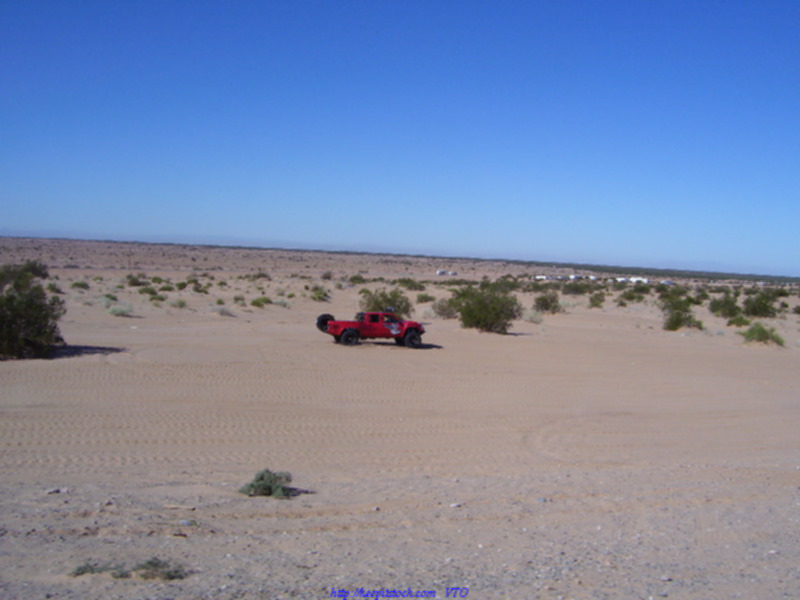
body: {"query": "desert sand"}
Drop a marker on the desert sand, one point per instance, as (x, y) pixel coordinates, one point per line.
(591, 455)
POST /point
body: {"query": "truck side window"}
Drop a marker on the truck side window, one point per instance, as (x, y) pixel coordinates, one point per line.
(374, 318)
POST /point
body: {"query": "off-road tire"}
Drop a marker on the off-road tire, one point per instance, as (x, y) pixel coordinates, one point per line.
(349, 337)
(413, 339)
(322, 322)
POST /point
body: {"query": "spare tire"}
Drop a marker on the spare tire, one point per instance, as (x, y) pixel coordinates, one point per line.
(322, 322)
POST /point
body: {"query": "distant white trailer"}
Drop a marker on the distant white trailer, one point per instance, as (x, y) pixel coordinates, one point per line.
(441, 272)
(639, 280)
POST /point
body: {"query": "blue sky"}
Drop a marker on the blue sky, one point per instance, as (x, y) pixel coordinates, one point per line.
(637, 133)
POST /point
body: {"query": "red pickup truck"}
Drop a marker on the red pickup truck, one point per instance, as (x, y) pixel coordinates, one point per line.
(368, 325)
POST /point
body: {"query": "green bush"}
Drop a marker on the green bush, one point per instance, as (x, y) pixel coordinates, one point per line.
(80, 285)
(28, 318)
(678, 314)
(357, 279)
(759, 333)
(382, 300)
(547, 302)
(261, 302)
(761, 304)
(725, 307)
(423, 298)
(596, 300)
(410, 284)
(739, 321)
(320, 294)
(486, 308)
(267, 483)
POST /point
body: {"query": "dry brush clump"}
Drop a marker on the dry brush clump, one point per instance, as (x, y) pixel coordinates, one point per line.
(267, 483)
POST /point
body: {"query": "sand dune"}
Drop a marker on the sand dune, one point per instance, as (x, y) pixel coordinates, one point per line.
(592, 455)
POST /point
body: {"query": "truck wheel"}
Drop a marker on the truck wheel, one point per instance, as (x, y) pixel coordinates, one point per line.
(413, 339)
(337, 339)
(322, 322)
(349, 337)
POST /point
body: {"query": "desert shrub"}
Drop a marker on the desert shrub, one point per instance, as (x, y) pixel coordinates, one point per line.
(320, 293)
(136, 280)
(267, 483)
(761, 304)
(445, 308)
(28, 317)
(167, 287)
(79, 285)
(53, 288)
(547, 302)
(577, 288)
(423, 298)
(739, 321)
(409, 284)
(759, 333)
(179, 303)
(120, 310)
(532, 316)
(796, 310)
(261, 301)
(181, 285)
(158, 298)
(239, 300)
(357, 279)
(327, 275)
(678, 313)
(283, 303)
(629, 295)
(725, 307)
(224, 311)
(148, 289)
(596, 300)
(155, 568)
(486, 308)
(392, 300)
(220, 302)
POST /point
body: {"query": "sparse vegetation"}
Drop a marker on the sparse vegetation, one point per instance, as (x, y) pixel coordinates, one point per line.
(120, 310)
(381, 299)
(759, 333)
(678, 313)
(596, 300)
(548, 302)
(410, 284)
(739, 321)
(725, 307)
(267, 483)
(28, 317)
(261, 301)
(445, 308)
(761, 304)
(80, 285)
(423, 298)
(320, 293)
(487, 308)
(154, 568)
